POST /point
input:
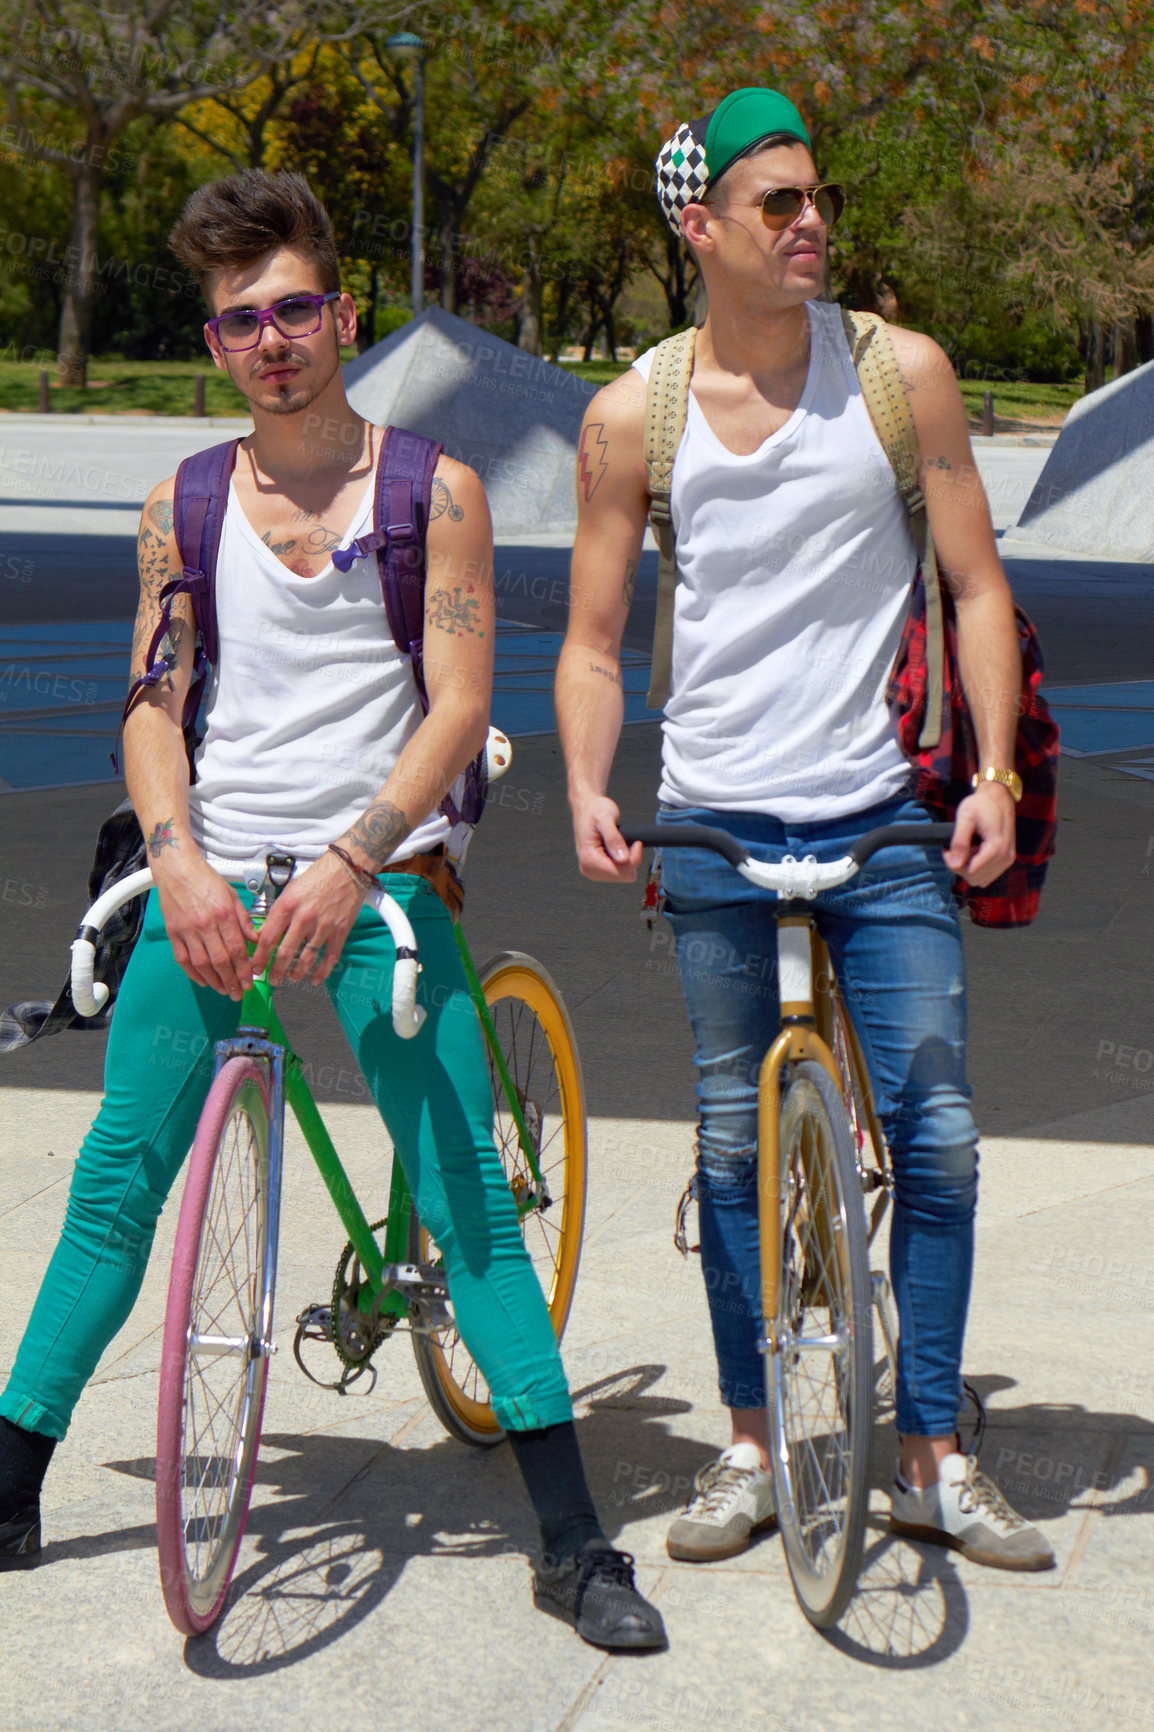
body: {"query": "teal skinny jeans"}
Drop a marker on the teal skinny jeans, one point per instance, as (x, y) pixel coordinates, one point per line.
(433, 1093)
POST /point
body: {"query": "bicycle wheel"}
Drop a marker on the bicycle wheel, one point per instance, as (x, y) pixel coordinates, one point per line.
(820, 1379)
(536, 1039)
(214, 1363)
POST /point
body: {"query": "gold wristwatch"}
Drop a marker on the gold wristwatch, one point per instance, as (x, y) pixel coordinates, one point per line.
(1008, 778)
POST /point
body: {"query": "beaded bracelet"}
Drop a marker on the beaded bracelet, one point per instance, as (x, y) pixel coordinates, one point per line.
(364, 879)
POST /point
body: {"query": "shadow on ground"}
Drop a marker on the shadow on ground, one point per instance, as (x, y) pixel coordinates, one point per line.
(330, 1548)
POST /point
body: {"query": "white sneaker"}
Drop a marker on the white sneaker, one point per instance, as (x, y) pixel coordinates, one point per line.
(732, 1499)
(966, 1510)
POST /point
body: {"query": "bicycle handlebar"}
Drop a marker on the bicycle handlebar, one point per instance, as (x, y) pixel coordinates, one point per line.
(91, 996)
(790, 877)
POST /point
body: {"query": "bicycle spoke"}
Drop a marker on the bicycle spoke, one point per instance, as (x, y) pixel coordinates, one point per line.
(823, 1388)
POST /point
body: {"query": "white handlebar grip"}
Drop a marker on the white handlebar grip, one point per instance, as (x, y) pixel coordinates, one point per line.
(498, 754)
(408, 1015)
(91, 996)
(88, 996)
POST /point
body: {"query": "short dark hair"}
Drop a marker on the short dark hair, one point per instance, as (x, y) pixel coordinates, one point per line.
(769, 142)
(234, 222)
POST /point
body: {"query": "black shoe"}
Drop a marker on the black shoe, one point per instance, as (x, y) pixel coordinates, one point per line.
(20, 1539)
(24, 1458)
(594, 1592)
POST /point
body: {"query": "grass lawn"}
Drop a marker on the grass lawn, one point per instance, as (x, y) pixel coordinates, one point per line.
(1021, 400)
(117, 387)
(1014, 400)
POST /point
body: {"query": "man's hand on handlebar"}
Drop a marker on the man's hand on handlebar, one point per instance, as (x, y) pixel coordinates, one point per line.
(984, 834)
(206, 921)
(602, 852)
(308, 924)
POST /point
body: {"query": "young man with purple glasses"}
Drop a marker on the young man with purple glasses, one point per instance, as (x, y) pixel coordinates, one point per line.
(794, 564)
(319, 750)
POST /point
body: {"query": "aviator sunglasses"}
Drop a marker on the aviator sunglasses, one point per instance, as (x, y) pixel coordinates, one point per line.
(782, 205)
(300, 316)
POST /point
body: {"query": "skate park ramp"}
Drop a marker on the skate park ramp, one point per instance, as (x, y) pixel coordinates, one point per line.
(1096, 492)
(511, 416)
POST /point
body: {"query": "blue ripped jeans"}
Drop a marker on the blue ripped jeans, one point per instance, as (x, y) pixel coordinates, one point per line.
(895, 938)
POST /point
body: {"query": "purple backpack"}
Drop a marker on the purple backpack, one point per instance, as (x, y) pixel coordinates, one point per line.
(404, 483)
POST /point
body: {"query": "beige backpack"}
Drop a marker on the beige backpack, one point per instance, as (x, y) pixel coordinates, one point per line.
(885, 398)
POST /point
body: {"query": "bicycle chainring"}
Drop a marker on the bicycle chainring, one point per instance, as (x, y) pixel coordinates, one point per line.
(356, 1334)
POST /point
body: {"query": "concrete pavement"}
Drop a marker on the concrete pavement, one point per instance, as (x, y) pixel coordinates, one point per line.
(384, 1571)
(386, 1562)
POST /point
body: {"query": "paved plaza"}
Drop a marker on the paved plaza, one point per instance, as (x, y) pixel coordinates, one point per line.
(385, 1567)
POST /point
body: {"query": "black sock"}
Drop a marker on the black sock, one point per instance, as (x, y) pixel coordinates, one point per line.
(24, 1458)
(551, 1466)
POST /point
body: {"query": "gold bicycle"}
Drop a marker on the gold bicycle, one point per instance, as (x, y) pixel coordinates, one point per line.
(821, 1154)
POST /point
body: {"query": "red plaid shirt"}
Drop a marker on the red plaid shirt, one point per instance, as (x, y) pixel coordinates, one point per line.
(944, 771)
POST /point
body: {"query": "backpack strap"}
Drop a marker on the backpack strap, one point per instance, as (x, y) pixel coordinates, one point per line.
(879, 377)
(666, 405)
(199, 504)
(402, 503)
(401, 509)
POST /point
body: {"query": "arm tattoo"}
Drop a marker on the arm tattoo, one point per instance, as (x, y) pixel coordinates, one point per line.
(161, 515)
(940, 463)
(442, 501)
(630, 583)
(170, 648)
(591, 457)
(152, 562)
(596, 668)
(162, 837)
(379, 830)
(457, 615)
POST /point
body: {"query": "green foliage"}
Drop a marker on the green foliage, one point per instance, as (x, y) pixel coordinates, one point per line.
(999, 158)
(390, 319)
(148, 306)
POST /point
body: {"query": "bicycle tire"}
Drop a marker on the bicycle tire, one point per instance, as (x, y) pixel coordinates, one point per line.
(212, 1402)
(536, 1038)
(820, 1397)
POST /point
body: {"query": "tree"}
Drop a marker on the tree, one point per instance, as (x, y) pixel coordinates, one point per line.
(483, 74)
(1065, 160)
(76, 74)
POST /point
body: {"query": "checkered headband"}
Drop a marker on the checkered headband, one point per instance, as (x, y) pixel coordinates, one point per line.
(682, 175)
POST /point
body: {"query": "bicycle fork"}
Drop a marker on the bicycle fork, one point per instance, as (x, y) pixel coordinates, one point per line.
(798, 1040)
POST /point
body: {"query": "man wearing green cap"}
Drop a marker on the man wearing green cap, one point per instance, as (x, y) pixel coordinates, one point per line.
(794, 564)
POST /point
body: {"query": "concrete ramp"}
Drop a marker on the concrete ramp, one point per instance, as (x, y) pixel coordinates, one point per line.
(514, 418)
(1096, 493)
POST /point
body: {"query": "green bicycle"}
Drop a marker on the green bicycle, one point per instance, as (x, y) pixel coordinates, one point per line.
(218, 1332)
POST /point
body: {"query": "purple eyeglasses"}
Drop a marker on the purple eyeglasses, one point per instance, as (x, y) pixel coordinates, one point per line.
(299, 316)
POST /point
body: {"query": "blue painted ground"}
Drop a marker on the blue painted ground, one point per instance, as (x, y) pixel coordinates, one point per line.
(1103, 718)
(62, 687)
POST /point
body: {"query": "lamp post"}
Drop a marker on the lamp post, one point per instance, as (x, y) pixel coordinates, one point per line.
(405, 46)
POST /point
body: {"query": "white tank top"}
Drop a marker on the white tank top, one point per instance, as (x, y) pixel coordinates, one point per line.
(794, 567)
(308, 706)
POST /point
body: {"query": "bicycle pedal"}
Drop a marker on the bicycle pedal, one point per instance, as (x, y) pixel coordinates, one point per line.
(315, 1323)
(429, 1317)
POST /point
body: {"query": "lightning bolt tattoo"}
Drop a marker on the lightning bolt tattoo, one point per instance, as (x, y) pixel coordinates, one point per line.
(592, 460)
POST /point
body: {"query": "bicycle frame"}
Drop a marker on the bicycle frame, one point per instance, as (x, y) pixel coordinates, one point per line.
(807, 1033)
(261, 1034)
